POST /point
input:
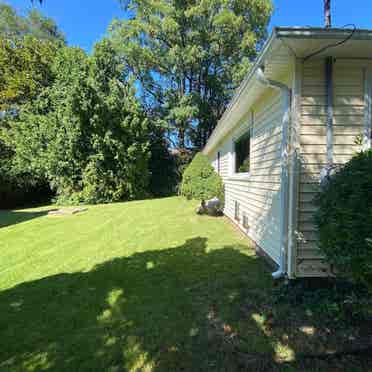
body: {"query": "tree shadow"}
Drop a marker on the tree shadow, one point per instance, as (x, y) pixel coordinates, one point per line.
(184, 308)
(156, 310)
(13, 217)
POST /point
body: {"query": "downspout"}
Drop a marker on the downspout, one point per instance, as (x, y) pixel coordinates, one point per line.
(326, 172)
(286, 104)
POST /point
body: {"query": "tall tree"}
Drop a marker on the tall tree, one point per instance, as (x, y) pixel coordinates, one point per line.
(25, 69)
(13, 25)
(188, 56)
(27, 47)
(86, 133)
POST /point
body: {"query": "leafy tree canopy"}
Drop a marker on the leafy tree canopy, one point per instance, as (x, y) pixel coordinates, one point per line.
(28, 45)
(27, 48)
(15, 26)
(86, 132)
(188, 57)
(25, 69)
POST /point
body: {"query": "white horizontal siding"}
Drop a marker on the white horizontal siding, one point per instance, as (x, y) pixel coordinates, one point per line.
(258, 196)
(348, 97)
(224, 160)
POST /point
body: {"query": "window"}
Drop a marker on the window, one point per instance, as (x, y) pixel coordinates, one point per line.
(218, 162)
(242, 154)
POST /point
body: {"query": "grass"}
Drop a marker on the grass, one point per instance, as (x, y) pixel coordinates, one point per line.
(146, 286)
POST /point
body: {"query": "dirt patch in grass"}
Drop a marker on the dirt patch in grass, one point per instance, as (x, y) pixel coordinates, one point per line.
(66, 211)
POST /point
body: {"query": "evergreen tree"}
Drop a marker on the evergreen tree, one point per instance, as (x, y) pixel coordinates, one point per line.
(86, 133)
(28, 45)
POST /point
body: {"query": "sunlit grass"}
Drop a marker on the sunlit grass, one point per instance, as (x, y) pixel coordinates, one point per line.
(140, 286)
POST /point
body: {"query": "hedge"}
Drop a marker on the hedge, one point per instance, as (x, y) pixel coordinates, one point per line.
(344, 219)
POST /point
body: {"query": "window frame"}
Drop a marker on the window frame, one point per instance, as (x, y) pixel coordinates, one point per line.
(242, 137)
(248, 131)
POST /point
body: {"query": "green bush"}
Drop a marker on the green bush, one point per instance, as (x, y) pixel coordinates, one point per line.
(344, 219)
(200, 181)
(86, 134)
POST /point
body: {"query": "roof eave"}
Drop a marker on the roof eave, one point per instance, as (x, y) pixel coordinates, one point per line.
(223, 126)
(216, 134)
(322, 33)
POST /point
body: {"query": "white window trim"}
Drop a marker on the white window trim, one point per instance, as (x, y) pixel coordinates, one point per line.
(368, 109)
(238, 176)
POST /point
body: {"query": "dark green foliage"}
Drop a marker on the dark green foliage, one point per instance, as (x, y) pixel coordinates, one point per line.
(18, 187)
(14, 194)
(329, 300)
(72, 121)
(162, 165)
(344, 219)
(25, 69)
(28, 46)
(15, 26)
(200, 181)
(86, 133)
(183, 158)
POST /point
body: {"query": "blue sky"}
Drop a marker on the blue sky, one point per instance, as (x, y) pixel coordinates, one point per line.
(85, 21)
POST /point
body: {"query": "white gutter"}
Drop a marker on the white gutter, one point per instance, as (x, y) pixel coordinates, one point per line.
(224, 126)
(323, 33)
(286, 104)
(306, 33)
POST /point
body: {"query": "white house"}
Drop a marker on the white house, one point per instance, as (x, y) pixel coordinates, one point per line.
(296, 115)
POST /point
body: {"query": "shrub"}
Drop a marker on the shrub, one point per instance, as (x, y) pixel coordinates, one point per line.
(200, 181)
(344, 219)
(87, 133)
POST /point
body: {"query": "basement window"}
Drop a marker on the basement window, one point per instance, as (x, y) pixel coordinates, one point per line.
(242, 154)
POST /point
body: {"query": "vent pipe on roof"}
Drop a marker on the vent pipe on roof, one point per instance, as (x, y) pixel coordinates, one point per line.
(327, 13)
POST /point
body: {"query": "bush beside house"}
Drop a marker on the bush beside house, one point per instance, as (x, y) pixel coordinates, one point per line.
(344, 219)
(200, 181)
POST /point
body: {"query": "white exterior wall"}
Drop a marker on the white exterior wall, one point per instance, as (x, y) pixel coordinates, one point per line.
(258, 193)
(224, 159)
(349, 120)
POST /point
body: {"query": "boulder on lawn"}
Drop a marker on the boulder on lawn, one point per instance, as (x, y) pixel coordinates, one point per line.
(212, 207)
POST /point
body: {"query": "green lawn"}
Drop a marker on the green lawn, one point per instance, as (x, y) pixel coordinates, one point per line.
(144, 286)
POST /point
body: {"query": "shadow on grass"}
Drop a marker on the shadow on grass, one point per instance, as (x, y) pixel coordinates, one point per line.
(178, 309)
(10, 217)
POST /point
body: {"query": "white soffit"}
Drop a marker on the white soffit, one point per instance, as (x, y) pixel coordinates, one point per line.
(276, 57)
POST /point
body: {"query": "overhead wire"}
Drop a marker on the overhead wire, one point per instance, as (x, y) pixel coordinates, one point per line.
(332, 45)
